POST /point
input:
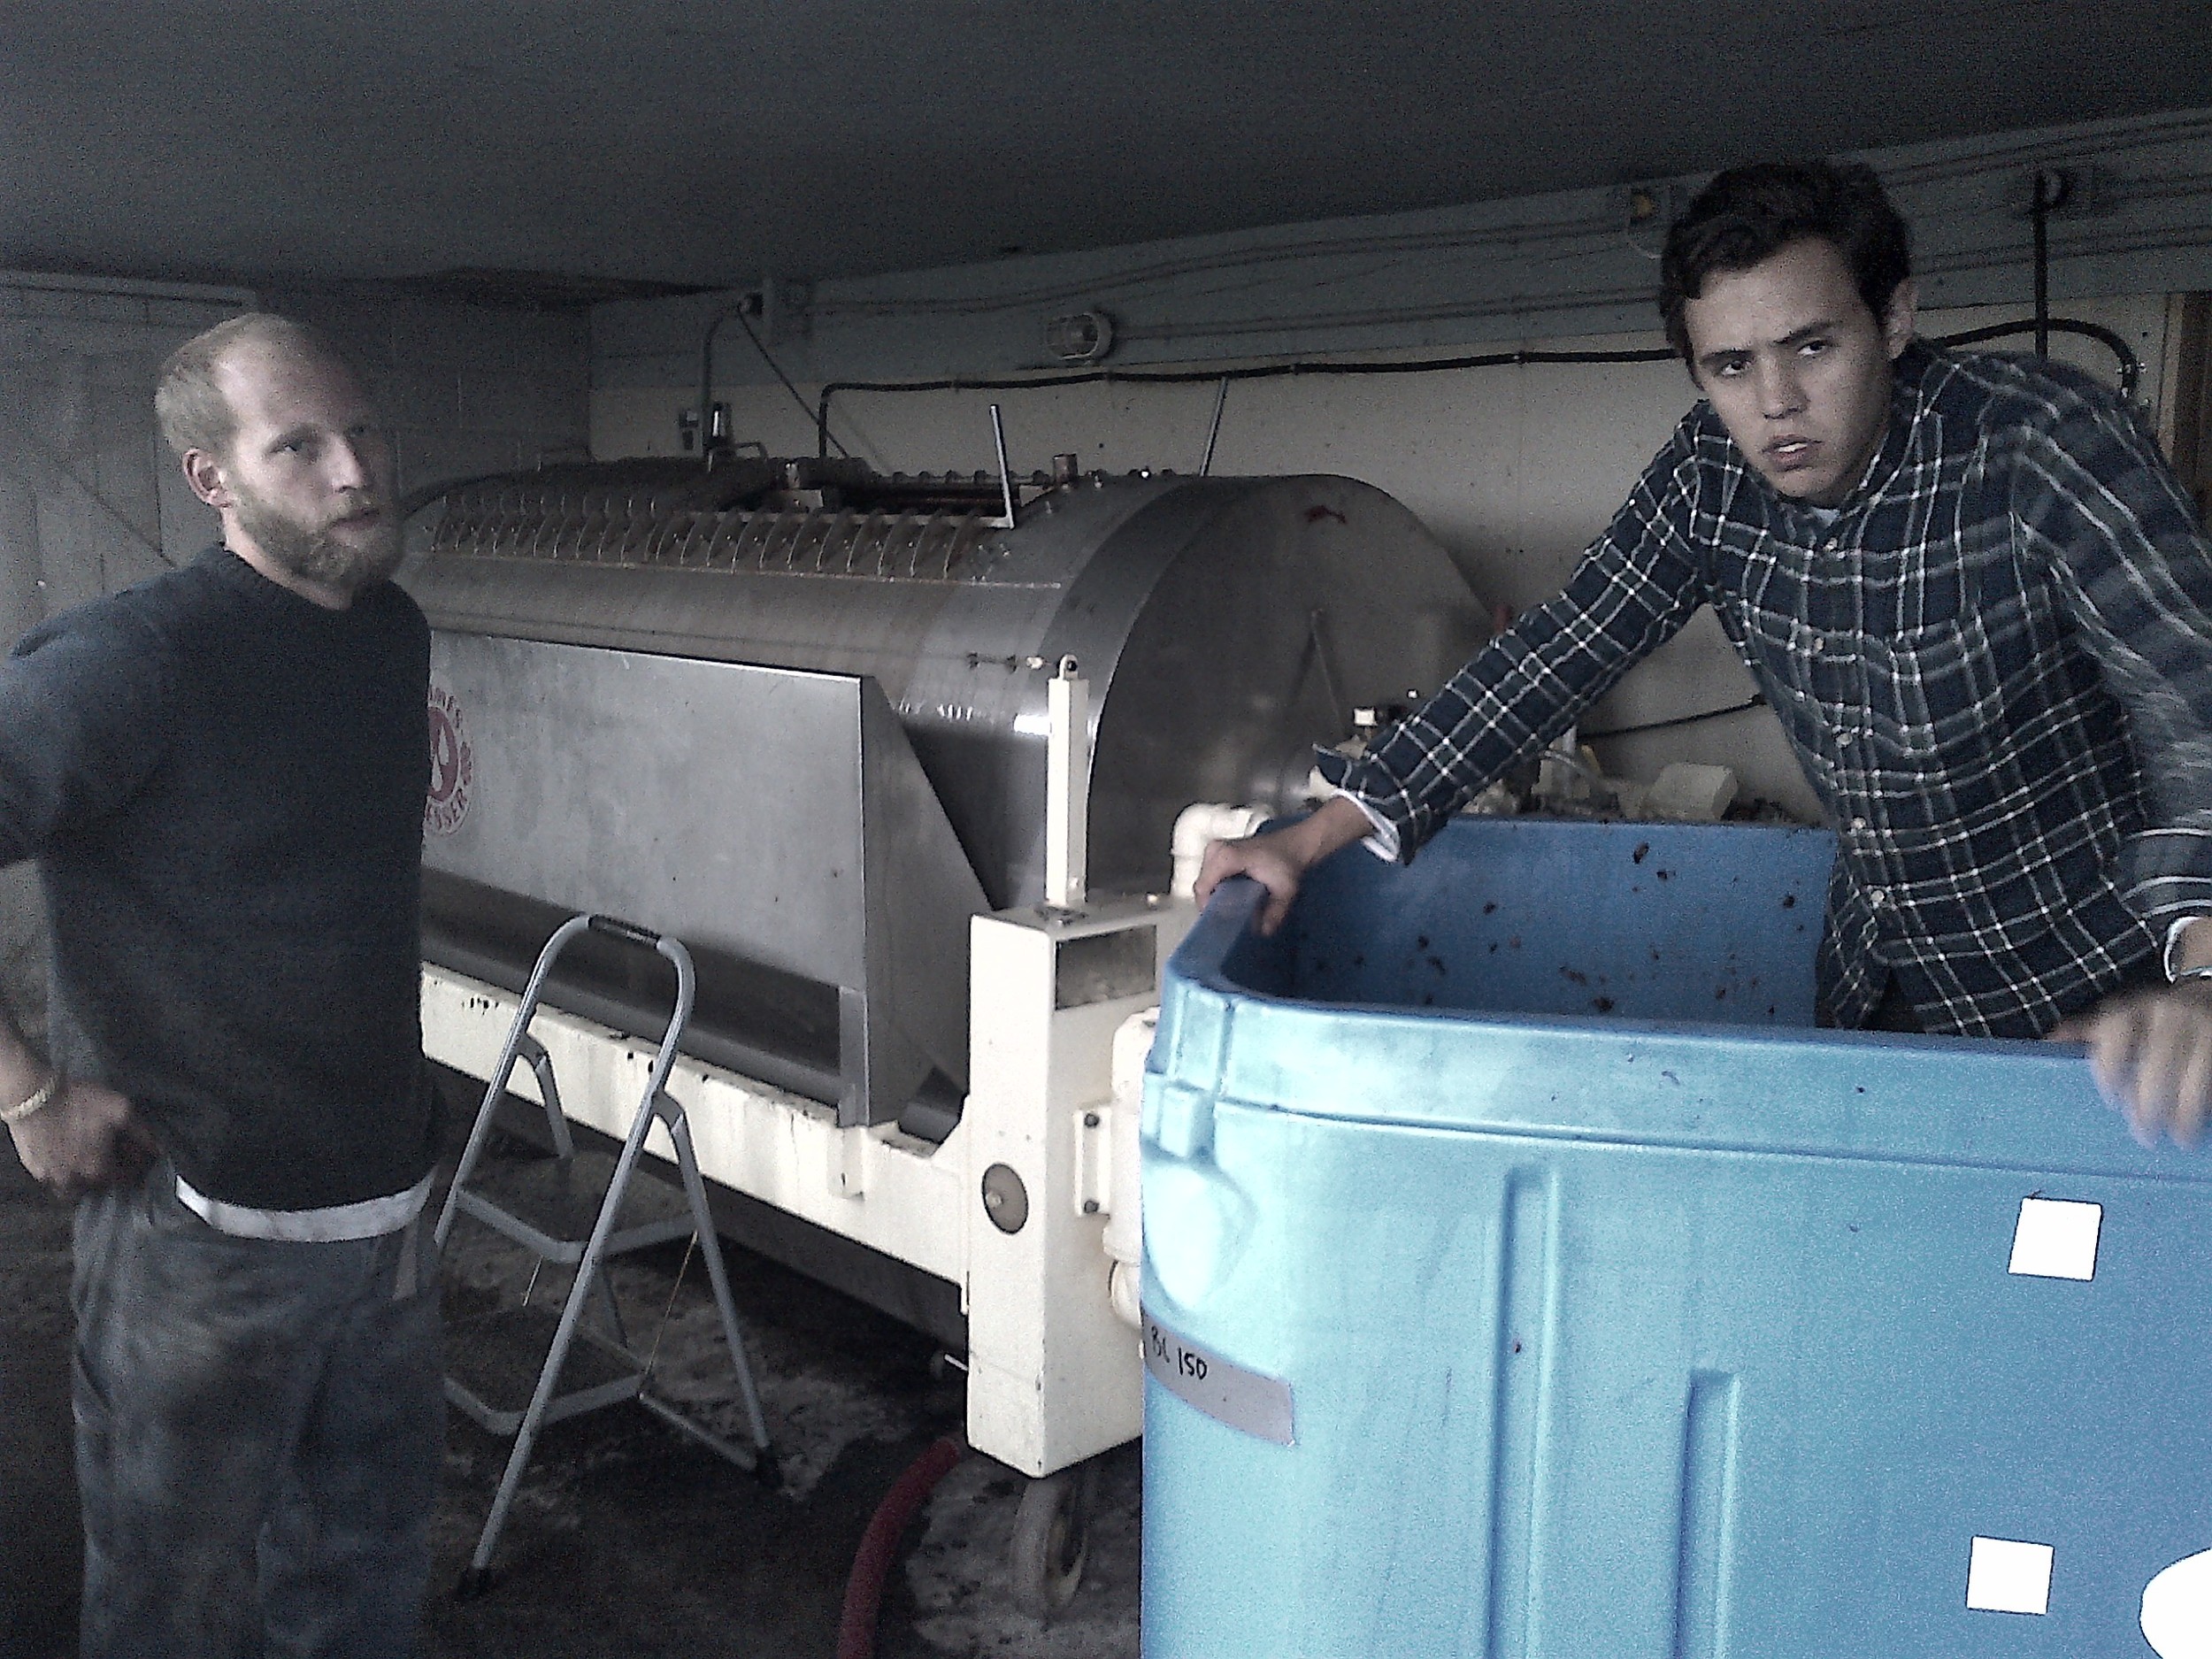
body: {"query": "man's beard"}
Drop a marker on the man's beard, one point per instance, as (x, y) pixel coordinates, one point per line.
(311, 552)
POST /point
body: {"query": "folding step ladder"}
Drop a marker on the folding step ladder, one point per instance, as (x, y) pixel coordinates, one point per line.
(525, 1366)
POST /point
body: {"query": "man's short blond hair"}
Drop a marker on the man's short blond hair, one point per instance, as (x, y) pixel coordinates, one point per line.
(193, 411)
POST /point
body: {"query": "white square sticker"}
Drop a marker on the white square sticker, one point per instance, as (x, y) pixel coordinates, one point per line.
(2006, 1576)
(2055, 1239)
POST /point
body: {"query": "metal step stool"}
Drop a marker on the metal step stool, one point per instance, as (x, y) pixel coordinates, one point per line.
(526, 1365)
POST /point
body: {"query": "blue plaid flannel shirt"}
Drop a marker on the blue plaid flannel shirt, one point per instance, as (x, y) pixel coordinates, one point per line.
(1994, 663)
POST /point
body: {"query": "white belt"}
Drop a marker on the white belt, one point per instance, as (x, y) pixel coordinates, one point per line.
(371, 1218)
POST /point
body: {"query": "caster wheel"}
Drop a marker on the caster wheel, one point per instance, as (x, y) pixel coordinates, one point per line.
(768, 1468)
(474, 1582)
(1052, 1538)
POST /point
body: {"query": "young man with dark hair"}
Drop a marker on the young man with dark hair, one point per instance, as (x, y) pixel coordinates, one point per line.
(221, 773)
(1975, 597)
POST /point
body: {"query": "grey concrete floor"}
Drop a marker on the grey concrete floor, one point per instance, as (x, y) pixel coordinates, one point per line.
(630, 1541)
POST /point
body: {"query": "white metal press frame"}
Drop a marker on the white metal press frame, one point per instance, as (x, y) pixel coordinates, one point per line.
(1013, 1206)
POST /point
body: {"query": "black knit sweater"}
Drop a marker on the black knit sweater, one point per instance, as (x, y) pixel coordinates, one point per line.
(223, 784)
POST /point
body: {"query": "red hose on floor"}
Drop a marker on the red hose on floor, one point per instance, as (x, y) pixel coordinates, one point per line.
(871, 1565)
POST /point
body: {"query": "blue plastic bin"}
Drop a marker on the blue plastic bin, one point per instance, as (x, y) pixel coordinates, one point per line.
(1526, 1277)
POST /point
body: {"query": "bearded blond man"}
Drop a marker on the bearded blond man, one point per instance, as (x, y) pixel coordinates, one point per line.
(221, 773)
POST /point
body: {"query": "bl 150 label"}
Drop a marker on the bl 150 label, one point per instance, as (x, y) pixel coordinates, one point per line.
(1170, 1355)
(1244, 1400)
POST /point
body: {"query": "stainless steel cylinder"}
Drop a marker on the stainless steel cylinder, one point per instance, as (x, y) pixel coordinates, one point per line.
(1226, 624)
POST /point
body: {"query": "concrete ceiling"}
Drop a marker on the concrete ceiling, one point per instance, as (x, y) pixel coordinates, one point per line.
(698, 142)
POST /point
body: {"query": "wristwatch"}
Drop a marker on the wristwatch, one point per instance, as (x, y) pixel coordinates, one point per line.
(2176, 976)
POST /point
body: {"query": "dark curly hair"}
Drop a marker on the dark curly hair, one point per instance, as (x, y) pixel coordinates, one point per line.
(1747, 213)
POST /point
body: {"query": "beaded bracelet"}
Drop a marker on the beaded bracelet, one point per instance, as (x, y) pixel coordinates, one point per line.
(37, 1102)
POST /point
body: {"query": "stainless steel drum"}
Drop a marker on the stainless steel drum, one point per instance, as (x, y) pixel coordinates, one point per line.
(1225, 626)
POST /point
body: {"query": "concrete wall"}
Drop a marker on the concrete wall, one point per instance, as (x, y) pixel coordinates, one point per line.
(1515, 469)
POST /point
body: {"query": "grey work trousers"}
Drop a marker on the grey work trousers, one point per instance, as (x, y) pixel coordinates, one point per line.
(260, 1426)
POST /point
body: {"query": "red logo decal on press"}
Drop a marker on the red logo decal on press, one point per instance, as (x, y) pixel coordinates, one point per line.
(452, 765)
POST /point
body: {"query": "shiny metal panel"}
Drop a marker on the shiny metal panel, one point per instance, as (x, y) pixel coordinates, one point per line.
(1187, 602)
(775, 815)
(672, 675)
(594, 787)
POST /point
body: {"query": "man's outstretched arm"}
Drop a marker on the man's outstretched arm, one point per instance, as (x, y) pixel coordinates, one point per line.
(2151, 1051)
(1633, 589)
(2094, 497)
(1278, 859)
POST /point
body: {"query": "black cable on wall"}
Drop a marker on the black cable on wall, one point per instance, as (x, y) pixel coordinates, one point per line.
(2131, 368)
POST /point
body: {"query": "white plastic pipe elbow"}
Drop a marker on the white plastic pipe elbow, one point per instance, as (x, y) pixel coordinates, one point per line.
(1200, 823)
